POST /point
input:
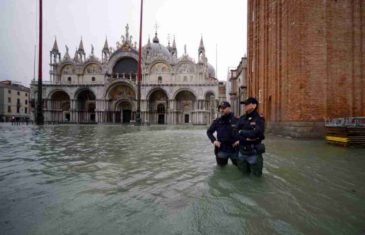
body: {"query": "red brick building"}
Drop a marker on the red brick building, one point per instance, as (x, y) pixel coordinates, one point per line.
(306, 62)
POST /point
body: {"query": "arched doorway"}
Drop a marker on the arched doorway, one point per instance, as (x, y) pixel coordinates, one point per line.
(60, 107)
(125, 68)
(85, 106)
(123, 112)
(158, 102)
(161, 113)
(185, 103)
(121, 99)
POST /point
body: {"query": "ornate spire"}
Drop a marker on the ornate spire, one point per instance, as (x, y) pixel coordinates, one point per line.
(149, 41)
(201, 52)
(92, 50)
(55, 46)
(173, 49)
(76, 56)
(174, 43)
(81, 46)
(106, 51)
(201, 46)
(106, 46)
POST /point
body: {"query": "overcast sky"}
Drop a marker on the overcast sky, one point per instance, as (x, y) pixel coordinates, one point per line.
(221, 23)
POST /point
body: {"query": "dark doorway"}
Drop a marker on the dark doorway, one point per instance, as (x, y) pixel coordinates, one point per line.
(117, 117)
(161, 119)
(186, 118)
(67, 116)
(127, 114)
(92, 117)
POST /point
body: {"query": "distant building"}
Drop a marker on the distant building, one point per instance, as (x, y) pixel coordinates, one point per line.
(14, 101)
(174, 89)
(237, 88)
(306, 62)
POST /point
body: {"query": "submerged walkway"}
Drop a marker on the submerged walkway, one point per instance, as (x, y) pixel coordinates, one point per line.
(109, 179)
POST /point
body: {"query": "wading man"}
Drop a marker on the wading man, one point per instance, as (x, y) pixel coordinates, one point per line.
(226, 142)
(250, 133)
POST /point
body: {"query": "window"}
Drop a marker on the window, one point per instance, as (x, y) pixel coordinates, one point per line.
(93, 79)
(9, 109)
(18, 93)
(159, 79)
(26, 101)
(18, 101)
(69, 79)
(25, 110)
(9, 91)
(26, 94)
(18, 109)
(9, 100)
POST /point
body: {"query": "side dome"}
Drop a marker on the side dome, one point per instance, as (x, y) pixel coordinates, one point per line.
(211, 71)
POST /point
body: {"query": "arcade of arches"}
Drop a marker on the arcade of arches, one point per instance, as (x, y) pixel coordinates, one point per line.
(119, 106)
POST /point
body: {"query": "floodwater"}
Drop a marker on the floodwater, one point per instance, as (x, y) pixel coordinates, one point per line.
(112, 179)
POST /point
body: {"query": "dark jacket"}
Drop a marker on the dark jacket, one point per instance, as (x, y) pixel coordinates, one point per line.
(226, 128)
(251, 128)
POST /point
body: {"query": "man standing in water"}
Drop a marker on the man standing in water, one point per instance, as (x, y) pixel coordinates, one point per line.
(226, 142)
(251, 128)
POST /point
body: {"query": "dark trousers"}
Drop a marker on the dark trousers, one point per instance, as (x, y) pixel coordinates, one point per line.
(222, 157)
(250, 163)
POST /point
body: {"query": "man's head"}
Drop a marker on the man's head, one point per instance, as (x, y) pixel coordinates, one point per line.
(250, 104)
(224, 108)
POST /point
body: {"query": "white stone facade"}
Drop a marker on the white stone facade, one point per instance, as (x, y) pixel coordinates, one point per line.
(174, 89)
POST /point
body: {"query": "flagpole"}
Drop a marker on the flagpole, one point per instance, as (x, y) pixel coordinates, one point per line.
(139, 71)
(40, 118)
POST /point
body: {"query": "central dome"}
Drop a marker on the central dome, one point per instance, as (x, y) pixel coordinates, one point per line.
(155, 49)
(158, 49)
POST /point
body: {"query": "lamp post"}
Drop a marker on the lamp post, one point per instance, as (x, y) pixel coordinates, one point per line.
(139, 70)
(40, 118)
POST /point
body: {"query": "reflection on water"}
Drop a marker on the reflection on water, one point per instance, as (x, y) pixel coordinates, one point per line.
(109, 179)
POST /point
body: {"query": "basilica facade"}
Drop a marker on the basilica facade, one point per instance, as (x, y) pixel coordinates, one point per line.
(174, 89)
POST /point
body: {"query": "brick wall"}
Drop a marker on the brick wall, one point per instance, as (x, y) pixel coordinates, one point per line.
(306, 58)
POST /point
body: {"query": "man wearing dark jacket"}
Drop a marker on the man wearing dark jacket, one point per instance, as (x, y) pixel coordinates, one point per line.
(251, 127)
(226, 142)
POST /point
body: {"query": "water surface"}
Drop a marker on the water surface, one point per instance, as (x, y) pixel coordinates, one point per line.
(112, 179)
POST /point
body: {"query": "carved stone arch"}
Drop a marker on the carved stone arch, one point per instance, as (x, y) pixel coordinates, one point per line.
(156, 63)
(81, 90)
(62, 66)
(117, 103)
(115, 84)
(210, 100)
(187, 67)
(91, 63)
(52, 92)
(184, 89)
(206, 93)
(148, 96)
